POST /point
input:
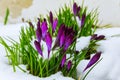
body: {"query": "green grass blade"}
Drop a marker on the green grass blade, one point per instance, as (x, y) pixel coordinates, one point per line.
(6, 16)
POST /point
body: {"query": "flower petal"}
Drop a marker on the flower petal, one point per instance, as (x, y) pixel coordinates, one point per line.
(55, 22)
(78, 9)
(83, 20)
(63, 60)
(75, 9)
(60, 31)
(69, 65)
(44, 29)
(68, 31)
(38, 47)
(39, 34)
(51, 17)
(93, 60)
(68, 41)
(62, 39)
(101, 37)
(48, 40)
(94, 36)
(38, 23)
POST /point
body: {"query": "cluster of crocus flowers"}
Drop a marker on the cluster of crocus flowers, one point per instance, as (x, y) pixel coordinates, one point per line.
(68, 65)
(42, 33)
(57, 36)
(65, 37)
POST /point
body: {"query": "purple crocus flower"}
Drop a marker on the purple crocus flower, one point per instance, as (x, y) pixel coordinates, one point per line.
(44, 28)
(39, 34)
(69, 65)
(94, 36)
(62, 39)
(101, 37)
(69, 31)
(51, 17)
(63, 60)
(76, 9)
(83, 19)
(65, 37)
(93, 60)
(60, 31)
(68, 41)
(38, 23)
(48, 40)
(38, 47)
(55, 22)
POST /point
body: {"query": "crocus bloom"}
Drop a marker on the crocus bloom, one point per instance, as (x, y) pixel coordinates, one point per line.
(55, 22)
(65, 37)
(83, 19)
(62, 39)
(101, 37)
(93, 60)
(69, 65)
(38, 47)
(38, 23)
(44, 28)
(63, 60)
(60, 31)
(69, 31)
(48, 40)
(51, 17)
(76, 9)
(68, 41)
(39, 34)
(94, 36)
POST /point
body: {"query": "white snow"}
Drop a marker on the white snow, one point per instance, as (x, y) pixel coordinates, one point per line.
(82, 43)
(107, 69)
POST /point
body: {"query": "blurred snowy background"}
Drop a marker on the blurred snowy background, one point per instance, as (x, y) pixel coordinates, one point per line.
(109, 10)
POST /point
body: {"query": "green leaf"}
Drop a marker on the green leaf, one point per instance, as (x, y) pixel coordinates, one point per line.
(6, 16)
